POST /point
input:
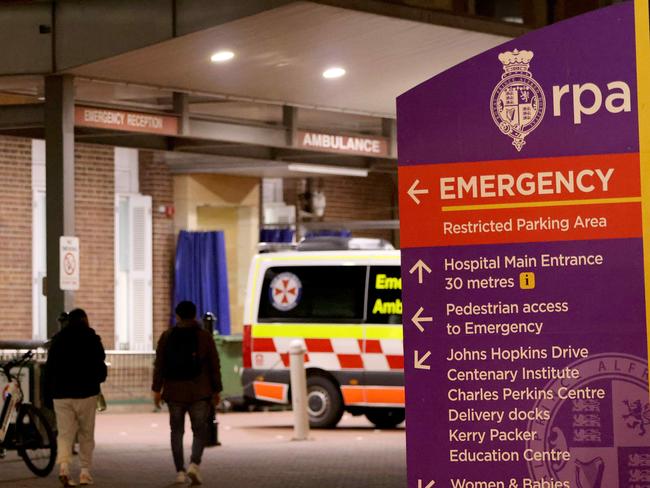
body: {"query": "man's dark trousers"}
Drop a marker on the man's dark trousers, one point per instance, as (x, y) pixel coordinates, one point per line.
(199, 416)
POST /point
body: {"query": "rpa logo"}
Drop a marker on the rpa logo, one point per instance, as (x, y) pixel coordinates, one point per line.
(518, 103)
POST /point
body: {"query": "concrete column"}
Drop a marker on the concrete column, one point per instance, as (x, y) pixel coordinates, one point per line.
(181, 102)
(59, 187)
(290, 122)
(389, 131)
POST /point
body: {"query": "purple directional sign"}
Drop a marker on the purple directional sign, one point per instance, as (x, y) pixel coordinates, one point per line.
(522, 263)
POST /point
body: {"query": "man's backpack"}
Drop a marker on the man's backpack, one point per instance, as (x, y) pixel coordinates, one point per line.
(182, 361)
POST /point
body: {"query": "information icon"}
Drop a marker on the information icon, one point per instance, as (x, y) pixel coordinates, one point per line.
(527, 281)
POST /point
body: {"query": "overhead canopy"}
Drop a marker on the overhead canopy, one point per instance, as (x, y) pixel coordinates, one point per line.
(281, 54)
(242, 116)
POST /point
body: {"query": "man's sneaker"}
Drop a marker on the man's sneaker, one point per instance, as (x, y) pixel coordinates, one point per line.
(194, 474)
(64, 476)
(181, 478)
(85, 478)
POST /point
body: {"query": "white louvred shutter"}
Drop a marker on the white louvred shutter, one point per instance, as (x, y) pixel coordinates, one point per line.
(140, 276)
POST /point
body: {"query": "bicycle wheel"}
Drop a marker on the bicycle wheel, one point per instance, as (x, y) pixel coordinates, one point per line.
(35, 440)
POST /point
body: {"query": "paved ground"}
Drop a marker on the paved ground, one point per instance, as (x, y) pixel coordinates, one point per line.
(257, 451)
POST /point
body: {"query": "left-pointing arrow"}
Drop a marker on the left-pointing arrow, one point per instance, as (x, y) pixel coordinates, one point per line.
(414, 192)
(416, 319)
(419, 361)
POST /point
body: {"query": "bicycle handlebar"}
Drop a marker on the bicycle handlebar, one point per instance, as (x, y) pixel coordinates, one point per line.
(6, 367)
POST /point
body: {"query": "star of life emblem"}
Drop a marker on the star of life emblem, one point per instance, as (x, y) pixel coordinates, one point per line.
(517, 103)
(285, 290)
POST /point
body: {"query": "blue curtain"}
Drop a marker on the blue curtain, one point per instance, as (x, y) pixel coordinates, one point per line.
(201, 275)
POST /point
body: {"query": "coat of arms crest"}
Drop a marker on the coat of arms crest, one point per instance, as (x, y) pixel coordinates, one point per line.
(517, 102)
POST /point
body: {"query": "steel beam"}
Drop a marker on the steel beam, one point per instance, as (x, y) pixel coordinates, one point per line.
(127, 139)
(59, 187)
(22, 116)
(195, 163)
(429, 16)
(243, 134)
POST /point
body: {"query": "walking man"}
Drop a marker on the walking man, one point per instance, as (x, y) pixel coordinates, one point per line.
(74, 370)
(187, 377)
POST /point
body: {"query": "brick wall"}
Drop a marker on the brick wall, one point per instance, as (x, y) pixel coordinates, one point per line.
(16, 238)
(94, 224)
(157, 181)
(349, 198)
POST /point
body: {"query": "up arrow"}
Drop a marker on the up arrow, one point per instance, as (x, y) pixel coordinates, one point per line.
(419, 267)
(413, 193)
(428, 485)
(419, 361)
(417, 319)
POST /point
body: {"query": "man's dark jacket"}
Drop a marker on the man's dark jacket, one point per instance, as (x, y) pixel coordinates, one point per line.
(206, 384)
(75, 363)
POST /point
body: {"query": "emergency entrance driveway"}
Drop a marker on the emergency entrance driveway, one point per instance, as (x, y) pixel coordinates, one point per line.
(257, 451)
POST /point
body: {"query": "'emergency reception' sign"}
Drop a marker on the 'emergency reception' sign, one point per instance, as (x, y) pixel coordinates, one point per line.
(522, 178)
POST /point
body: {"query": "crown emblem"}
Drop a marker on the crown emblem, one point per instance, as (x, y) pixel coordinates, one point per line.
(517, 103)
(515, 61)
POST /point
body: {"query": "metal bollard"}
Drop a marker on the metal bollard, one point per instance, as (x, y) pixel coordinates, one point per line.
(299, 391)
(213, 428)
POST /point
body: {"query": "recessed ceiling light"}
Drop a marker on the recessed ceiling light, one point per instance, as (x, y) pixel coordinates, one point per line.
(222, 56)
(335, 72)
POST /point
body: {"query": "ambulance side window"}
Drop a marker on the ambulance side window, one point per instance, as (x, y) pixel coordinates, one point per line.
(313, 294)
(384, 295)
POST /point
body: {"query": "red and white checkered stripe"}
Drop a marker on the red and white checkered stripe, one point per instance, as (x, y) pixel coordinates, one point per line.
(332, 354)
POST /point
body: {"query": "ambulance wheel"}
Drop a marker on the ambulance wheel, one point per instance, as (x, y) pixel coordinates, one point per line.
(324, 403)
(386, 418)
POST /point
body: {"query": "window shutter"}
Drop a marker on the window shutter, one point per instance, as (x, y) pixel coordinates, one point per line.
(140, 286)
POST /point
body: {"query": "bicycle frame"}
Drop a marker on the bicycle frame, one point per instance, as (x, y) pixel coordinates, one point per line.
(12, 394)
(23, 427)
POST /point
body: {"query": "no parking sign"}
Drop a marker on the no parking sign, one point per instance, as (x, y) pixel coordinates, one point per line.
(69, 263)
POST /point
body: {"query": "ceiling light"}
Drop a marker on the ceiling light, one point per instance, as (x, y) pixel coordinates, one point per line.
(335, 72)
(222, 56)
(327, 170)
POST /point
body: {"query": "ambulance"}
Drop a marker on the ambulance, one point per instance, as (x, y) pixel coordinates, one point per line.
(345, 305)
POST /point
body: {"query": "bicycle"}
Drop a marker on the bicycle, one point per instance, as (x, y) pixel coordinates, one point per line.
(31, 434)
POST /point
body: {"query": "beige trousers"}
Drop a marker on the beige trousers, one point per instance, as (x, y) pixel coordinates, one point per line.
(75, 418)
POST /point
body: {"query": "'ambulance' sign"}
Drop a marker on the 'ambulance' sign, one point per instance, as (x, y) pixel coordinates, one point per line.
(370, 146)
(69, 263)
